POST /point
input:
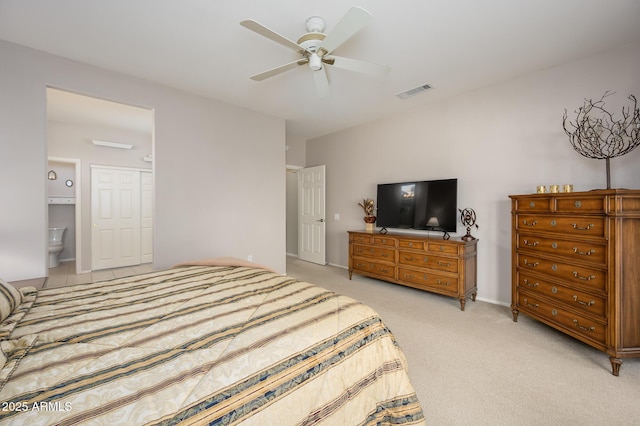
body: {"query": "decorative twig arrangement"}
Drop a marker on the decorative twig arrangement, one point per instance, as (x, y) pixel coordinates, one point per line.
(603, 137)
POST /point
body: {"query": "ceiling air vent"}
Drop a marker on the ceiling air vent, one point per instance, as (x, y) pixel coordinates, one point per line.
(413, 92)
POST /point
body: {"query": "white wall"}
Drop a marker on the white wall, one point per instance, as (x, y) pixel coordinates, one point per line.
(501, 140)
(208, 157)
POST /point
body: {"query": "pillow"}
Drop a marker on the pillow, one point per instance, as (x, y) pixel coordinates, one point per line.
(10, 298)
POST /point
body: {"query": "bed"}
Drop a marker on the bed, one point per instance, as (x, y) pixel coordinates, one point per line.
(215, 342)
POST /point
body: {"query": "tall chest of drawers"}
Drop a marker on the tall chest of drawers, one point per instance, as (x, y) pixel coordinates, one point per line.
(576, 266)
(446, 267)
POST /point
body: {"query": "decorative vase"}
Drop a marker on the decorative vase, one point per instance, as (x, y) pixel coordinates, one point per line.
(369, 223)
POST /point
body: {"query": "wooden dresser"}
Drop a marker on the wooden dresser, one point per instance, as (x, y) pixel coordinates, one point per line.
(576, 266)
(441, 266)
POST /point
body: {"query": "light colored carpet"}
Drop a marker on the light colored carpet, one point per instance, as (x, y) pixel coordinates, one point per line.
(478, 367)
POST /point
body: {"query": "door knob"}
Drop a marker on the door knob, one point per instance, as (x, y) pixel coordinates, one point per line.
(320, 220)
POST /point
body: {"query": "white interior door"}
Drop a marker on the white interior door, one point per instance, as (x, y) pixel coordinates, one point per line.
(115, 215)
(146, 217)
(311, 215)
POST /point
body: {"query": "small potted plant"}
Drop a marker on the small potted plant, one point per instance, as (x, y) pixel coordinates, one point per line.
(367, 205)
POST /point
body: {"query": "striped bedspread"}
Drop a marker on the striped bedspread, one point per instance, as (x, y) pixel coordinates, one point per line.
(201, 345)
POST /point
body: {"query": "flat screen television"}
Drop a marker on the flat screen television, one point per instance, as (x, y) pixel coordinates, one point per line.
(425, 205)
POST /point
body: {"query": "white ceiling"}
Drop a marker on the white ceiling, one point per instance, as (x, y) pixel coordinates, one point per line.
(199, 46)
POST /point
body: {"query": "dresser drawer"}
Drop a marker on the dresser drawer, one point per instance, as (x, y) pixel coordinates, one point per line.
(384, 241)
(374, 252)
(577, 299)
(569, 225)
(586, 251)
(579, 204)
(428, 261)
(439, 247)
(576, 324)
(537, 204)
(412, 244)
(380, 269)
(591, 278)
(428, 280)
(362, 239)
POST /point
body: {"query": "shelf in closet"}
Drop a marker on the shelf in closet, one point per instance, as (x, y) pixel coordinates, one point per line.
(62, 200)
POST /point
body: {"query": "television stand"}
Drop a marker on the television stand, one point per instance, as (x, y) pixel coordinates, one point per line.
(447, 267)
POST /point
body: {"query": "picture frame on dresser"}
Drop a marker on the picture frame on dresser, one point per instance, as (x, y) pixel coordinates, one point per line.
(575, 266)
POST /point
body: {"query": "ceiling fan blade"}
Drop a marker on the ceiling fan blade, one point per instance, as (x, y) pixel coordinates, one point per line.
(272, 35)
(279, 70)
(351, 23)
(356, 65)
(322, 83)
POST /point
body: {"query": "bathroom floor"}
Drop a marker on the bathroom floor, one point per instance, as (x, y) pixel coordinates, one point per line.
(65, 274)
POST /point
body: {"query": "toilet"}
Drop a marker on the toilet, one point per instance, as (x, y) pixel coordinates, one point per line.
(55, 245)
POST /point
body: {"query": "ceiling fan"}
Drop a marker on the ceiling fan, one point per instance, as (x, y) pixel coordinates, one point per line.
(316, 48)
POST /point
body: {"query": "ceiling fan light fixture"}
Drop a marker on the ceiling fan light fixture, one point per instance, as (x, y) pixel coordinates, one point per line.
(315, 62)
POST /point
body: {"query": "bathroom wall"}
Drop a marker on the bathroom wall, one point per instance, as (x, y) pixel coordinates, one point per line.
(63, 215)
(73, 140)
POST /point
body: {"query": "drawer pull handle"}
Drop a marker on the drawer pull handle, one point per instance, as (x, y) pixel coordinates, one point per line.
(590, 303)
(582, 327)
(443, 282)
(534, 223)
(360, 265)
(531, 305)
(583, 253)
(385, 270)
(441, 263)
(408, 258)
(577, 228)
(589, 278)
(527, 243)
(533, 265)
(408, 275)
(532, 285)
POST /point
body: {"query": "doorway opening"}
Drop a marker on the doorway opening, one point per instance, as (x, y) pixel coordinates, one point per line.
(77, 127)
